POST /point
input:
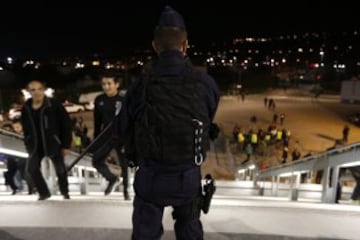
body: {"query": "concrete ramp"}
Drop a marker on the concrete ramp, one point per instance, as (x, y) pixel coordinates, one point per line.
(109, 218)
(119, 234)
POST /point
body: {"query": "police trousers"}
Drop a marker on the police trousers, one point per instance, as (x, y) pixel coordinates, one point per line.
(157, 190)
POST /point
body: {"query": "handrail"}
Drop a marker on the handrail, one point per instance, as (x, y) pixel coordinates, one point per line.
(329, 162)
(10, 133)
(316, 157)
(18, 138)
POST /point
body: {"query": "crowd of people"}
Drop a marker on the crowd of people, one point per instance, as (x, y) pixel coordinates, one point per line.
(263, 142)
(270, 147)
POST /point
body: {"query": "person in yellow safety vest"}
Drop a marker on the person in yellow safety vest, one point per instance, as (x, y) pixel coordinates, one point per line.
(267, 137)
(279, 135)
(77, 142)
(241, 140)
(241, 137)
(254, 140)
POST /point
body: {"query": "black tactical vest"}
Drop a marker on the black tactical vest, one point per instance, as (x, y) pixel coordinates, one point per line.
(174, 127)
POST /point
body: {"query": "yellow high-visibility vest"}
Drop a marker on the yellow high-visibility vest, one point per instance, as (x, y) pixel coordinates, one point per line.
(254, 138)
(241, 138)
(267, 137)
(77, 141)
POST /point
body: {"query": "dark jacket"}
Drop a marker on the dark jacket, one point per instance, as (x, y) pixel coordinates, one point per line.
(55, 127)
(104, 112)
(169, 63)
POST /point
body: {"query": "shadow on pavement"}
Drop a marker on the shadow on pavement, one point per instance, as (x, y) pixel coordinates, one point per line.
(326, 137)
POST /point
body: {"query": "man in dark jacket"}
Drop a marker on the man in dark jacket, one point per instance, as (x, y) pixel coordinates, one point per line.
(165, 119)
(107, 105)
(47, 134)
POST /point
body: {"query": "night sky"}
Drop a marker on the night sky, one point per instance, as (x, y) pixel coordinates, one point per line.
(119, 29)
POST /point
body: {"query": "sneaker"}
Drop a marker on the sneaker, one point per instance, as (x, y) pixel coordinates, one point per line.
(44, 197)
(66, 196)
(110, 186)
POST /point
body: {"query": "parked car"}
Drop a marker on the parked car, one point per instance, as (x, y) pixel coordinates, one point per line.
(73, 107)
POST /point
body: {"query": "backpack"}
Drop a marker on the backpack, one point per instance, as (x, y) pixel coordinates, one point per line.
(174, 126)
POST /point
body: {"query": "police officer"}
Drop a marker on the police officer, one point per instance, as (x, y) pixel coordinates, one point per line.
(167, 137)
(106, 107)
(47, 133)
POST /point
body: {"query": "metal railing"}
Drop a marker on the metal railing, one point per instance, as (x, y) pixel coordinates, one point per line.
(12, 144)
(83, 174)
(329, 162)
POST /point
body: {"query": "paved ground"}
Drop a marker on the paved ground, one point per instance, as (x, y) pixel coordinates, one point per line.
(96, 217)
(316, 124)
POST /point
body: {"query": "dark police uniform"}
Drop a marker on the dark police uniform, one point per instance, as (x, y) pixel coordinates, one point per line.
(156, 183)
